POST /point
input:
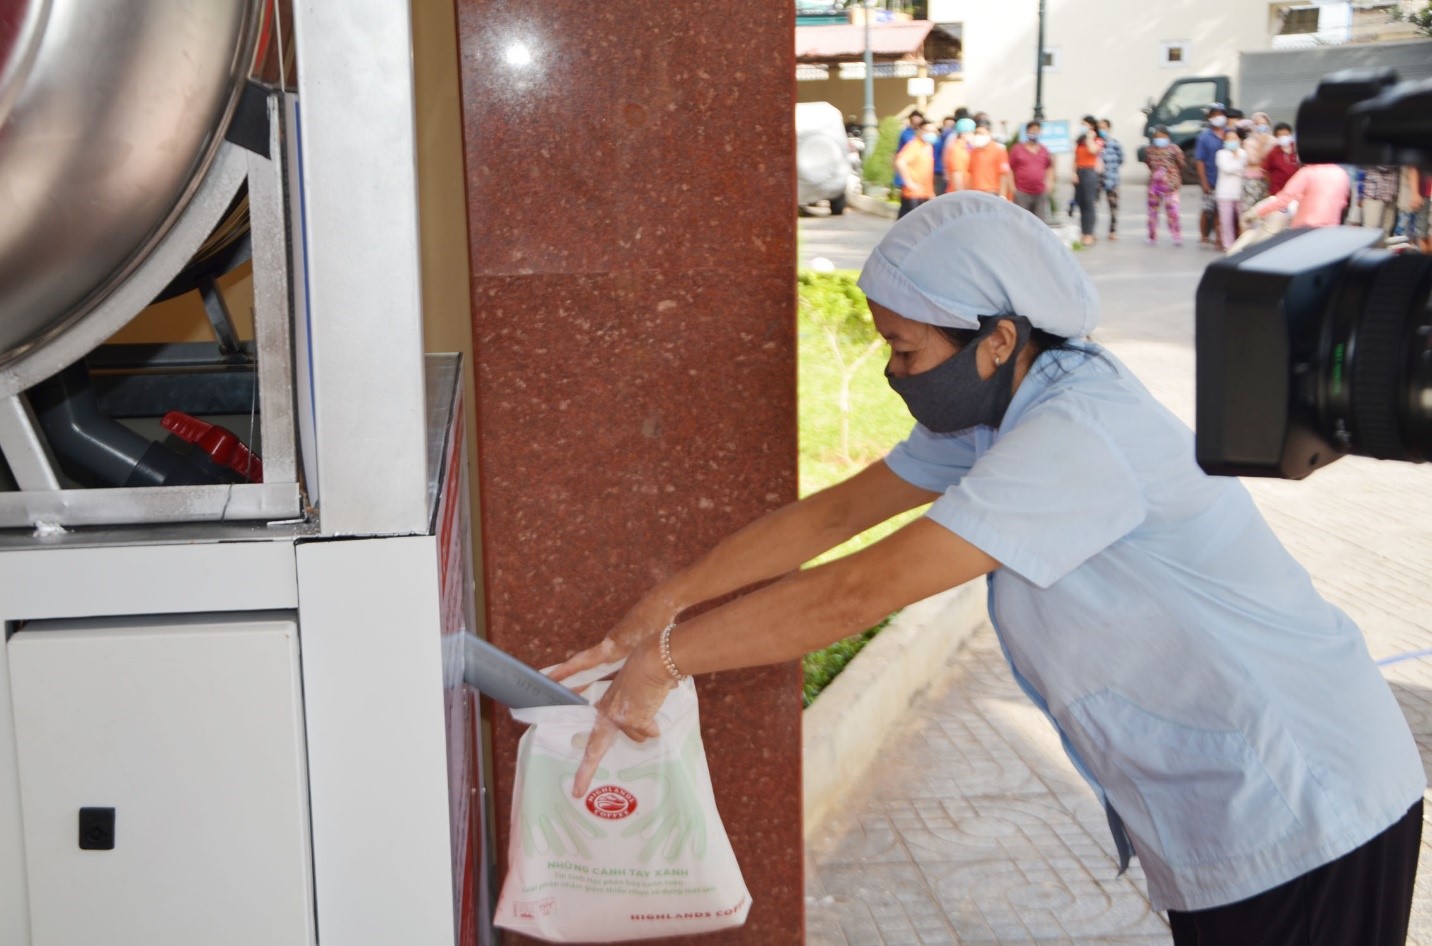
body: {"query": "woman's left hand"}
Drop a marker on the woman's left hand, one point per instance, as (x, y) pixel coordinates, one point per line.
(629, 706)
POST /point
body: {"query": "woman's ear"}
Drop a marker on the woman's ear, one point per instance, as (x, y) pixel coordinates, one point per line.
(996, 348)
(1004, 338)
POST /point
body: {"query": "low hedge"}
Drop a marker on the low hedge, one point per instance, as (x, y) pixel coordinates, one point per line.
(836, 362)
(878, 167)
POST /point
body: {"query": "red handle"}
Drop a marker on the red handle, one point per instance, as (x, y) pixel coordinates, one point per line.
(222, 445)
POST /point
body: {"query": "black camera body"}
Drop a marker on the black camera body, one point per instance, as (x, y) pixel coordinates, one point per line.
(1314, 344)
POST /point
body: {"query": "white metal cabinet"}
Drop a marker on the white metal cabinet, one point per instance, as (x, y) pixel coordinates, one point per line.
(191, 729)
(378, 768)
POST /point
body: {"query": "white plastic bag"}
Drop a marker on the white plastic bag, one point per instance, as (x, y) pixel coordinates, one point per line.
(642, 855)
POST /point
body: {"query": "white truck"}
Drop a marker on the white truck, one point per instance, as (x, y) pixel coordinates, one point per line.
(823, 158)
(1275, 81)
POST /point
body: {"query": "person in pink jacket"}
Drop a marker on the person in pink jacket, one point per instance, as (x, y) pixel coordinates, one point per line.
(1321, 191)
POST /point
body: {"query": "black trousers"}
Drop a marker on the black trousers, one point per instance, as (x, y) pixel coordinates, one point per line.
(908, 204)
(1361, 899)
(1086, 192)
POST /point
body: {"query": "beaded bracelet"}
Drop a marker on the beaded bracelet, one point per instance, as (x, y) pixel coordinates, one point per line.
(665, 650)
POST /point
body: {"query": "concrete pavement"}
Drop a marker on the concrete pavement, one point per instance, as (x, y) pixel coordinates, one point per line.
(972, 827)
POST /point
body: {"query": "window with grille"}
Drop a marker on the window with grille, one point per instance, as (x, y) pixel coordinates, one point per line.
(1300, 20)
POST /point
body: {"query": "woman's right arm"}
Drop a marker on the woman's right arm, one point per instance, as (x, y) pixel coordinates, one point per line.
(773, 545)
(783, 540)
(1293, 190)
(901, 165)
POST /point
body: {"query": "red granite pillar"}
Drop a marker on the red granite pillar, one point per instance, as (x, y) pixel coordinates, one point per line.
(631, 213)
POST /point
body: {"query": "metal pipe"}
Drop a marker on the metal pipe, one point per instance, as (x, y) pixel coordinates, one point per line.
(99, 450)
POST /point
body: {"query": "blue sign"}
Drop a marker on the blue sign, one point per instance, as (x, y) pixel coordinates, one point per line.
(1054, 136)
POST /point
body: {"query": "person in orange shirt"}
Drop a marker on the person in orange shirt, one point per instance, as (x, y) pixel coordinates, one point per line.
(989, 164)
(956, 156)
(916, 165)
(1086, 176)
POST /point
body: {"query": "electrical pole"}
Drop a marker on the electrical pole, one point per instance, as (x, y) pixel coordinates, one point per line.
(1039, 69)
(869, 131)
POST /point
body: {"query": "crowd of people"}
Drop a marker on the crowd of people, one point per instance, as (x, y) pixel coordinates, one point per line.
(1252, 181)
(962, 153)
(1254, 184)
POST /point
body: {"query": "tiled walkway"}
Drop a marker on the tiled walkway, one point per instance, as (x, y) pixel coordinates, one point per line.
(973, 828)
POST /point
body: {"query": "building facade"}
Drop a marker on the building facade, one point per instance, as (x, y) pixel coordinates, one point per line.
(830, 63)
(1107, 58)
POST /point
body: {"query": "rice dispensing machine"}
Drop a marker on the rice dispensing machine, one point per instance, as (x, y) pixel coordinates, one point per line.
(235, 581)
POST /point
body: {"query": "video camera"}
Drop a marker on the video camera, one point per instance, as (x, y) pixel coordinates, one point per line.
(1315, 344)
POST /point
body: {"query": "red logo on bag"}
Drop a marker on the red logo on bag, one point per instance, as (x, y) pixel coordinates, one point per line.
(611, 802)
(532, 909)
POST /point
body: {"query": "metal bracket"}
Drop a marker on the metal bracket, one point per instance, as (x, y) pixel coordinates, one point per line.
(223, 323)
(278, 497)
(24, 449)
(251, 126)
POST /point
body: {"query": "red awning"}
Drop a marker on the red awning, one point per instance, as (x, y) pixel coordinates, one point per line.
(887, 40)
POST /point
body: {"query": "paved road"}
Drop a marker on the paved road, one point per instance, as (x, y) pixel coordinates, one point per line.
(1146, 290)
(845, 240)
(974, 828)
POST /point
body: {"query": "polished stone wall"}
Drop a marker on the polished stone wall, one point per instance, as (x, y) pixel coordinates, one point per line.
(630, 188)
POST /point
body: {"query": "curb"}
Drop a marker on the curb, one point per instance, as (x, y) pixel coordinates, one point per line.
(872, 205)
(843, 730)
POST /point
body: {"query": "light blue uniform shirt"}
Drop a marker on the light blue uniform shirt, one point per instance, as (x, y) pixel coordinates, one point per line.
(1231, 720)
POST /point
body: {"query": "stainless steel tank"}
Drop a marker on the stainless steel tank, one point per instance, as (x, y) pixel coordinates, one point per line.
(110, 113)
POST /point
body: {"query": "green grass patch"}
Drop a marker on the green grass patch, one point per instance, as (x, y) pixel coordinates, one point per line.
(823, 666)
(849, 418)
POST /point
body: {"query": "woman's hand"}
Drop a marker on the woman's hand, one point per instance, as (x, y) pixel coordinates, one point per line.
(629, 706)
(642, 623)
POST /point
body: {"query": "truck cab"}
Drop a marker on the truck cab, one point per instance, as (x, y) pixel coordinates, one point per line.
(1182, 109)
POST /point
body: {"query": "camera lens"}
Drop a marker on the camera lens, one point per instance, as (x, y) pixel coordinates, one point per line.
(1374, 365)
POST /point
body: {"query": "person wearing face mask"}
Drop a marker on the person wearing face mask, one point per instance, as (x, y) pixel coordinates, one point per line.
(947, 131)
(956, 155)
(1205, 153)
(1165, 161)
(1112, 158)
(913, 124)
(1086, 176)
(989, 164)
(1231, 722)
(1032, 169)
(1257, 143)
(916, 165)
(1229, 190)
(1281, 162)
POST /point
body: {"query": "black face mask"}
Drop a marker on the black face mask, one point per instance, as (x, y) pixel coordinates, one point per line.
(952, 396)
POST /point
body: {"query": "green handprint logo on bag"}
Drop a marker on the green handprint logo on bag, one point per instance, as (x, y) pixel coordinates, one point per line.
(680, 815)
(547, 808)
